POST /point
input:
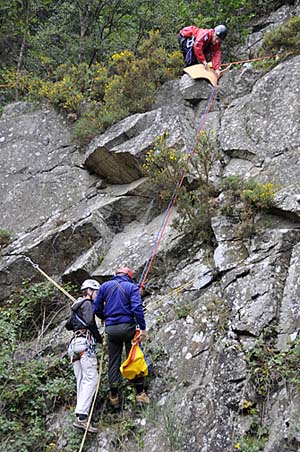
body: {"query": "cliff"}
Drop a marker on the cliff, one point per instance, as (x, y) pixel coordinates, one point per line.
(210, 308)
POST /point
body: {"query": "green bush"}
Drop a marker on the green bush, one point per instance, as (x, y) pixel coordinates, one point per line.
(99, 95)
(31, 391)
(269, 367)
(32, 386)
(33, 308)
(244, 199)
(5, 238)
(283, 39)
(166, 166)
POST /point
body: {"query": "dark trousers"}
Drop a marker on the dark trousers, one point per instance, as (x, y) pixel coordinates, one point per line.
(118, 336)
(186, 46)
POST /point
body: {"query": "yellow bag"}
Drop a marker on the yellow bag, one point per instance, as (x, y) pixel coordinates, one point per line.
(136, 363)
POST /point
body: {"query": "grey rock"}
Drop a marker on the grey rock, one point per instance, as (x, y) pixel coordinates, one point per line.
(117, 155)
(206, 304)
(196, 90)
(246, 124)
(132, 246)
(169, 94)
(289, 319)
(38, 181)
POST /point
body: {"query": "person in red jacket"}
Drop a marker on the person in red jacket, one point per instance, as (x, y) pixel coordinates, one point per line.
(200, 44)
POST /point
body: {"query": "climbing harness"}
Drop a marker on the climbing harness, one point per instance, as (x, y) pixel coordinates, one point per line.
(90, 345)
(36, 266)
(172, 201)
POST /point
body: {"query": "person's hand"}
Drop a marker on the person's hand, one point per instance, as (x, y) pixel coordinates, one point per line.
(143, 335)
(205, 65)
(217, 72)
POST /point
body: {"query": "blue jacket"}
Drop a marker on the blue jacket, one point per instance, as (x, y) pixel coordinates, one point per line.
(119, 301)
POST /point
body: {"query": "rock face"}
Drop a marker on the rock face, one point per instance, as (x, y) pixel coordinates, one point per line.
(41, 174)
(117, 154)
(83, 214)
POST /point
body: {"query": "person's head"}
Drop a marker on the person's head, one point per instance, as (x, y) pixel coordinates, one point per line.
(125, 271)
(220, 34)
(89, 288)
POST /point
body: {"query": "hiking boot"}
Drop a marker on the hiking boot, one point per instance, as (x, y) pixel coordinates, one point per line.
(82, 424)
(142, 398)
(114, 401)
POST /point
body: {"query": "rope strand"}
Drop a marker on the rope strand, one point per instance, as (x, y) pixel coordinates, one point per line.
(171, 204)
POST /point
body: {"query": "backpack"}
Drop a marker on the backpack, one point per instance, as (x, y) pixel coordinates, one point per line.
(73, 320)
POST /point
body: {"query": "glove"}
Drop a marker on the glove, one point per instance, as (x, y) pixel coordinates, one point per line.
(143, 335)
(217, 72)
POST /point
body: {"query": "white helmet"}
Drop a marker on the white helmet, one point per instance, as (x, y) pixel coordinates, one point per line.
(90, 284)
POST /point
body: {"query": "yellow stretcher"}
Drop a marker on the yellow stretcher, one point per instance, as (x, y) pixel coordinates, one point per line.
(199, 71)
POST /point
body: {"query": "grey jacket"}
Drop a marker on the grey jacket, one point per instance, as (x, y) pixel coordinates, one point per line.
(83, 317)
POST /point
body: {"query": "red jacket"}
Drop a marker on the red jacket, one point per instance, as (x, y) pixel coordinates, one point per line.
(203, 38)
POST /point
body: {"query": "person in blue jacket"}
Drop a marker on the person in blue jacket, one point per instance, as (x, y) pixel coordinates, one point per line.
(119, 304)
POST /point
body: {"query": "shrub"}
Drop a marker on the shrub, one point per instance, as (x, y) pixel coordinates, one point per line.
(31, 386)
(166, 166)
(262, 7)
(269, 367)
(5, 238)
(102, 95)
(29, 392)
(33, 308)
(244, 199)
(284, 39)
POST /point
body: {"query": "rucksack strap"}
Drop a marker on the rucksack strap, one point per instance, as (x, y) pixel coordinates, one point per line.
(80, 319)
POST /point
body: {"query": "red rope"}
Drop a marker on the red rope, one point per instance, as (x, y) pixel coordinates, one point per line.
(257, 59)
(154, 252)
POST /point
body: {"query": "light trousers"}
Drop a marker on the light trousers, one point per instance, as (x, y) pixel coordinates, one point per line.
(86, 373)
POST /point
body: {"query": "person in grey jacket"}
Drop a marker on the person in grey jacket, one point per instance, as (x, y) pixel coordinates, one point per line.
(82, 351)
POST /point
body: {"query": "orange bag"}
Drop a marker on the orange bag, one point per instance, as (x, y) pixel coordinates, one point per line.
(136, 363)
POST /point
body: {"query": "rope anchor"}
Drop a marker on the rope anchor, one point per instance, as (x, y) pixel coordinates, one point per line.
(27, 259)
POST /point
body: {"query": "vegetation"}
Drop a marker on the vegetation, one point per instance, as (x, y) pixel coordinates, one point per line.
(36, 383)
(257, 434)
(5, 238)
(33, 309)
(283, 39)
(171, 425)
(197, 199)
(102, 94)
(244, 199)
(165, 165)
(100, 61)
(38, 35)
(33, 386)
(271, 368)
(251, 443)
